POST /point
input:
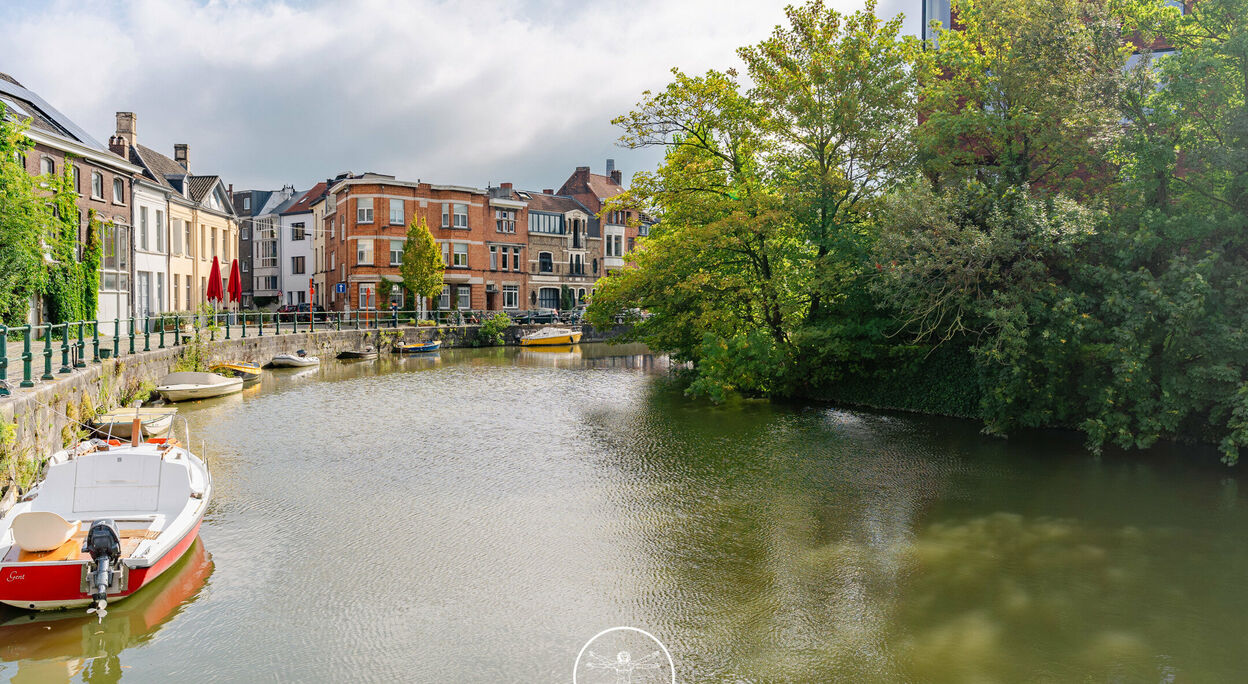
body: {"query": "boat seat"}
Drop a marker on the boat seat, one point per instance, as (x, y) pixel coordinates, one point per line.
(42, 530)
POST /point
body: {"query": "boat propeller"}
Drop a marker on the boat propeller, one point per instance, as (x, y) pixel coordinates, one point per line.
(104, 544)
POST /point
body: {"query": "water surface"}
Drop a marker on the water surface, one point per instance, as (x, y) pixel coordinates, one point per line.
(477, 515)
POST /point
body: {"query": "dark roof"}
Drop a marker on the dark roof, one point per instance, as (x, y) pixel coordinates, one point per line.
(42, 115)
(159, 164)
(303, 203)
(258, 198)
(200, 185)
(139, 160)
(557, 204)
(603, 186)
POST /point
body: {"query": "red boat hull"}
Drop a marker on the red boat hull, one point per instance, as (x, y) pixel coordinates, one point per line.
(50, 586)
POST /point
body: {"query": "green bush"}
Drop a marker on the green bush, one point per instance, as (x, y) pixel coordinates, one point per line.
(491, 331)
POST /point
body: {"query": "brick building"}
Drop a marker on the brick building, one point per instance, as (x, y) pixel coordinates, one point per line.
(619, 229)
(102, 179)
(563, 251)
(365, 226)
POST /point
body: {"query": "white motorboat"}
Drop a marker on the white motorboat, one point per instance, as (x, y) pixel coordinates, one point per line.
(299, 359)
(187, 385)
(545, 336)
(155, 421)
(107, 519)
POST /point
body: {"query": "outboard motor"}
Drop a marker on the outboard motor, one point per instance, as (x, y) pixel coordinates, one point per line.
(104, 544)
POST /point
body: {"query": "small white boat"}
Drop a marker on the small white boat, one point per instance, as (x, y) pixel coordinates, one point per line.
(299, 359)
(188, 385)
(107, 519)
(551, 336)
(155, 421)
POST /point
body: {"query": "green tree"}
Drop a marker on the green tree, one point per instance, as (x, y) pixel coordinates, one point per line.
(24, 217)
(384, 287)
(422, 265)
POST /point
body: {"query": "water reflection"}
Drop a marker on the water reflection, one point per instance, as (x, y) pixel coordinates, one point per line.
(62, 646)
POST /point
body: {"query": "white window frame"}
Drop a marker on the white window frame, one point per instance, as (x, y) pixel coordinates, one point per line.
(459, 255)
(97, 185)
(364, 210)
(363, 249)
(459, 217)
(143, 228)
(444, 299)
(160, 231)
(396, 204)
(464, 292)
(494, 257)
(396, 255)
(119, 191)
(511, 296)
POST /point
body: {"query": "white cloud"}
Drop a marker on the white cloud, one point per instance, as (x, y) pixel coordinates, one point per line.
(273, 92)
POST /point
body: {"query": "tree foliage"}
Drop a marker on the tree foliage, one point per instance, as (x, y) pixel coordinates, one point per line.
(422, 265)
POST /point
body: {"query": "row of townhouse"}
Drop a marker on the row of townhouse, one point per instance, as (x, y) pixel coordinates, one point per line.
(162, 224)
(503, 248)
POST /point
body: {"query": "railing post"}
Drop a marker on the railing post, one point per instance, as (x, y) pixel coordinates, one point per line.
(27, 358)
(337, 320)
(227, 325)
(116, 337)
(65, 350)
(95, 341)
(311, 319)
(162, 320)
(82, 347)
(147, 333)
(277, 323)
(395, 322)
(244, 313)
(131, 319)
(296, 320)
(261, 326)
(4, 360)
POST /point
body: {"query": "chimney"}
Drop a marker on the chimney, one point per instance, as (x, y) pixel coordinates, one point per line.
(610, 166)
(618, 177)
(180, 156)
(506, 188)
(581, 176)
(119, 146)
(548, 191)
(127, 127)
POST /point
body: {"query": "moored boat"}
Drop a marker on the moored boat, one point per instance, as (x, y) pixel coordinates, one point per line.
(551, 336)
(237, 369)
(365, 353)
(187, 385)
(417, 347)
(299, 359)
(155, 421)
(107, 519)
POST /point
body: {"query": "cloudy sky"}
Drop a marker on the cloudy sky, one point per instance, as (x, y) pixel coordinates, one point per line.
(269, 92)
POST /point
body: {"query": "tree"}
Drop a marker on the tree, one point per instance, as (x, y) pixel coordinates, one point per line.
(422, 265)
(384, 287)
(23, 224)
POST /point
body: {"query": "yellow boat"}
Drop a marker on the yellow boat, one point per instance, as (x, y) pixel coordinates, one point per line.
(233, 369)
(548, 336)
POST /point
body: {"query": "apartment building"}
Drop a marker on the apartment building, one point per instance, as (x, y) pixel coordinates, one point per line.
(266, 257)
(620, 228)
(565, 249)
(365, 224)
(297, 226)
(103, 181)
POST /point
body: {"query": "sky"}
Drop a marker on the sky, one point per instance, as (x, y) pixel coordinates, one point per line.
(275, 92)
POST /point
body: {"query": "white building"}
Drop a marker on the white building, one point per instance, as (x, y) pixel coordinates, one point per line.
(296, 241)
(151, 248)
(266, 248)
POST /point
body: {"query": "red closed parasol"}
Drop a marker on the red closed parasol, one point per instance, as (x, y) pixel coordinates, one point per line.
(235, 290)
(214, 293)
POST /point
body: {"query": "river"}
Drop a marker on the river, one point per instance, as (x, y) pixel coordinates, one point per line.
(479, 515)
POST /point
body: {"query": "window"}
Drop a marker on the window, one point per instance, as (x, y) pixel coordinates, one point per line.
(367, 298)
(494, 257)
(545, 263)
(214, 240)
(364, 210)
(244, 266)
(190, 244)
(465, 297)
(143, 228)
(455, 215)
(297, 232)
(296, 264)
(548, 298)
(505, 220)
(444, 299)
(97, 185)
(331, 226)
(396, 212)
(188, 292)
(115, 267)
(177, 291)
(615, 245)
(77, 181)
(446, 254)
(396, 252)
(160, 292)
(160, 231)
(515, 259)
(511, 296)
(632, 244)
(119, 191)
(47, 167)
(504, 260)
(396, 297)
(331, 260)
(460, 255)
(247, 203)
(580, 296)
(203, 241)
(364, 252)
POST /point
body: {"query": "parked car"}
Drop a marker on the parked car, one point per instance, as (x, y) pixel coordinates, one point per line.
(304, 312)
(537, 316)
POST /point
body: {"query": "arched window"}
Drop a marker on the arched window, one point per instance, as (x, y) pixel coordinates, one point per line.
(580, 296)
(47, 167)
(119, 191)
(545, 262)
(77, 180)
(595, 263)
(97, 185)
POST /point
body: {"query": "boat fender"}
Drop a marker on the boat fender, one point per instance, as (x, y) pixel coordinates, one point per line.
(103, 543)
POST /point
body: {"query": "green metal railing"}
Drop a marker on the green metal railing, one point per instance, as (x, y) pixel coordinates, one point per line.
(138, 334)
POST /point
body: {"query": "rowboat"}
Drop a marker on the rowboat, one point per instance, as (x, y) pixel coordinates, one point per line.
(417, 347)
(156, 421)
(106, 520)
(365, 353)
(299, 359)
(188, 385)
(551, 336)
(237, 369)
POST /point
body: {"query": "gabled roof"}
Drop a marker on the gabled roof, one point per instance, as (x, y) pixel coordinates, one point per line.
(160, 165)
(556, 204)
(303, 203)
(603, 187)
(43, 116)
(201, 185)
(138, 160)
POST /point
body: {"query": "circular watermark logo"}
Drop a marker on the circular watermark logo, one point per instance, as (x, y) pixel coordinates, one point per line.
(624, 655)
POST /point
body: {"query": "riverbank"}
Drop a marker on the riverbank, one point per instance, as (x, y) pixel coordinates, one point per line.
(39, 420)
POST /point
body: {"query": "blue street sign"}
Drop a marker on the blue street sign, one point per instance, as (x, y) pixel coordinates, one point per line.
(340, 288)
